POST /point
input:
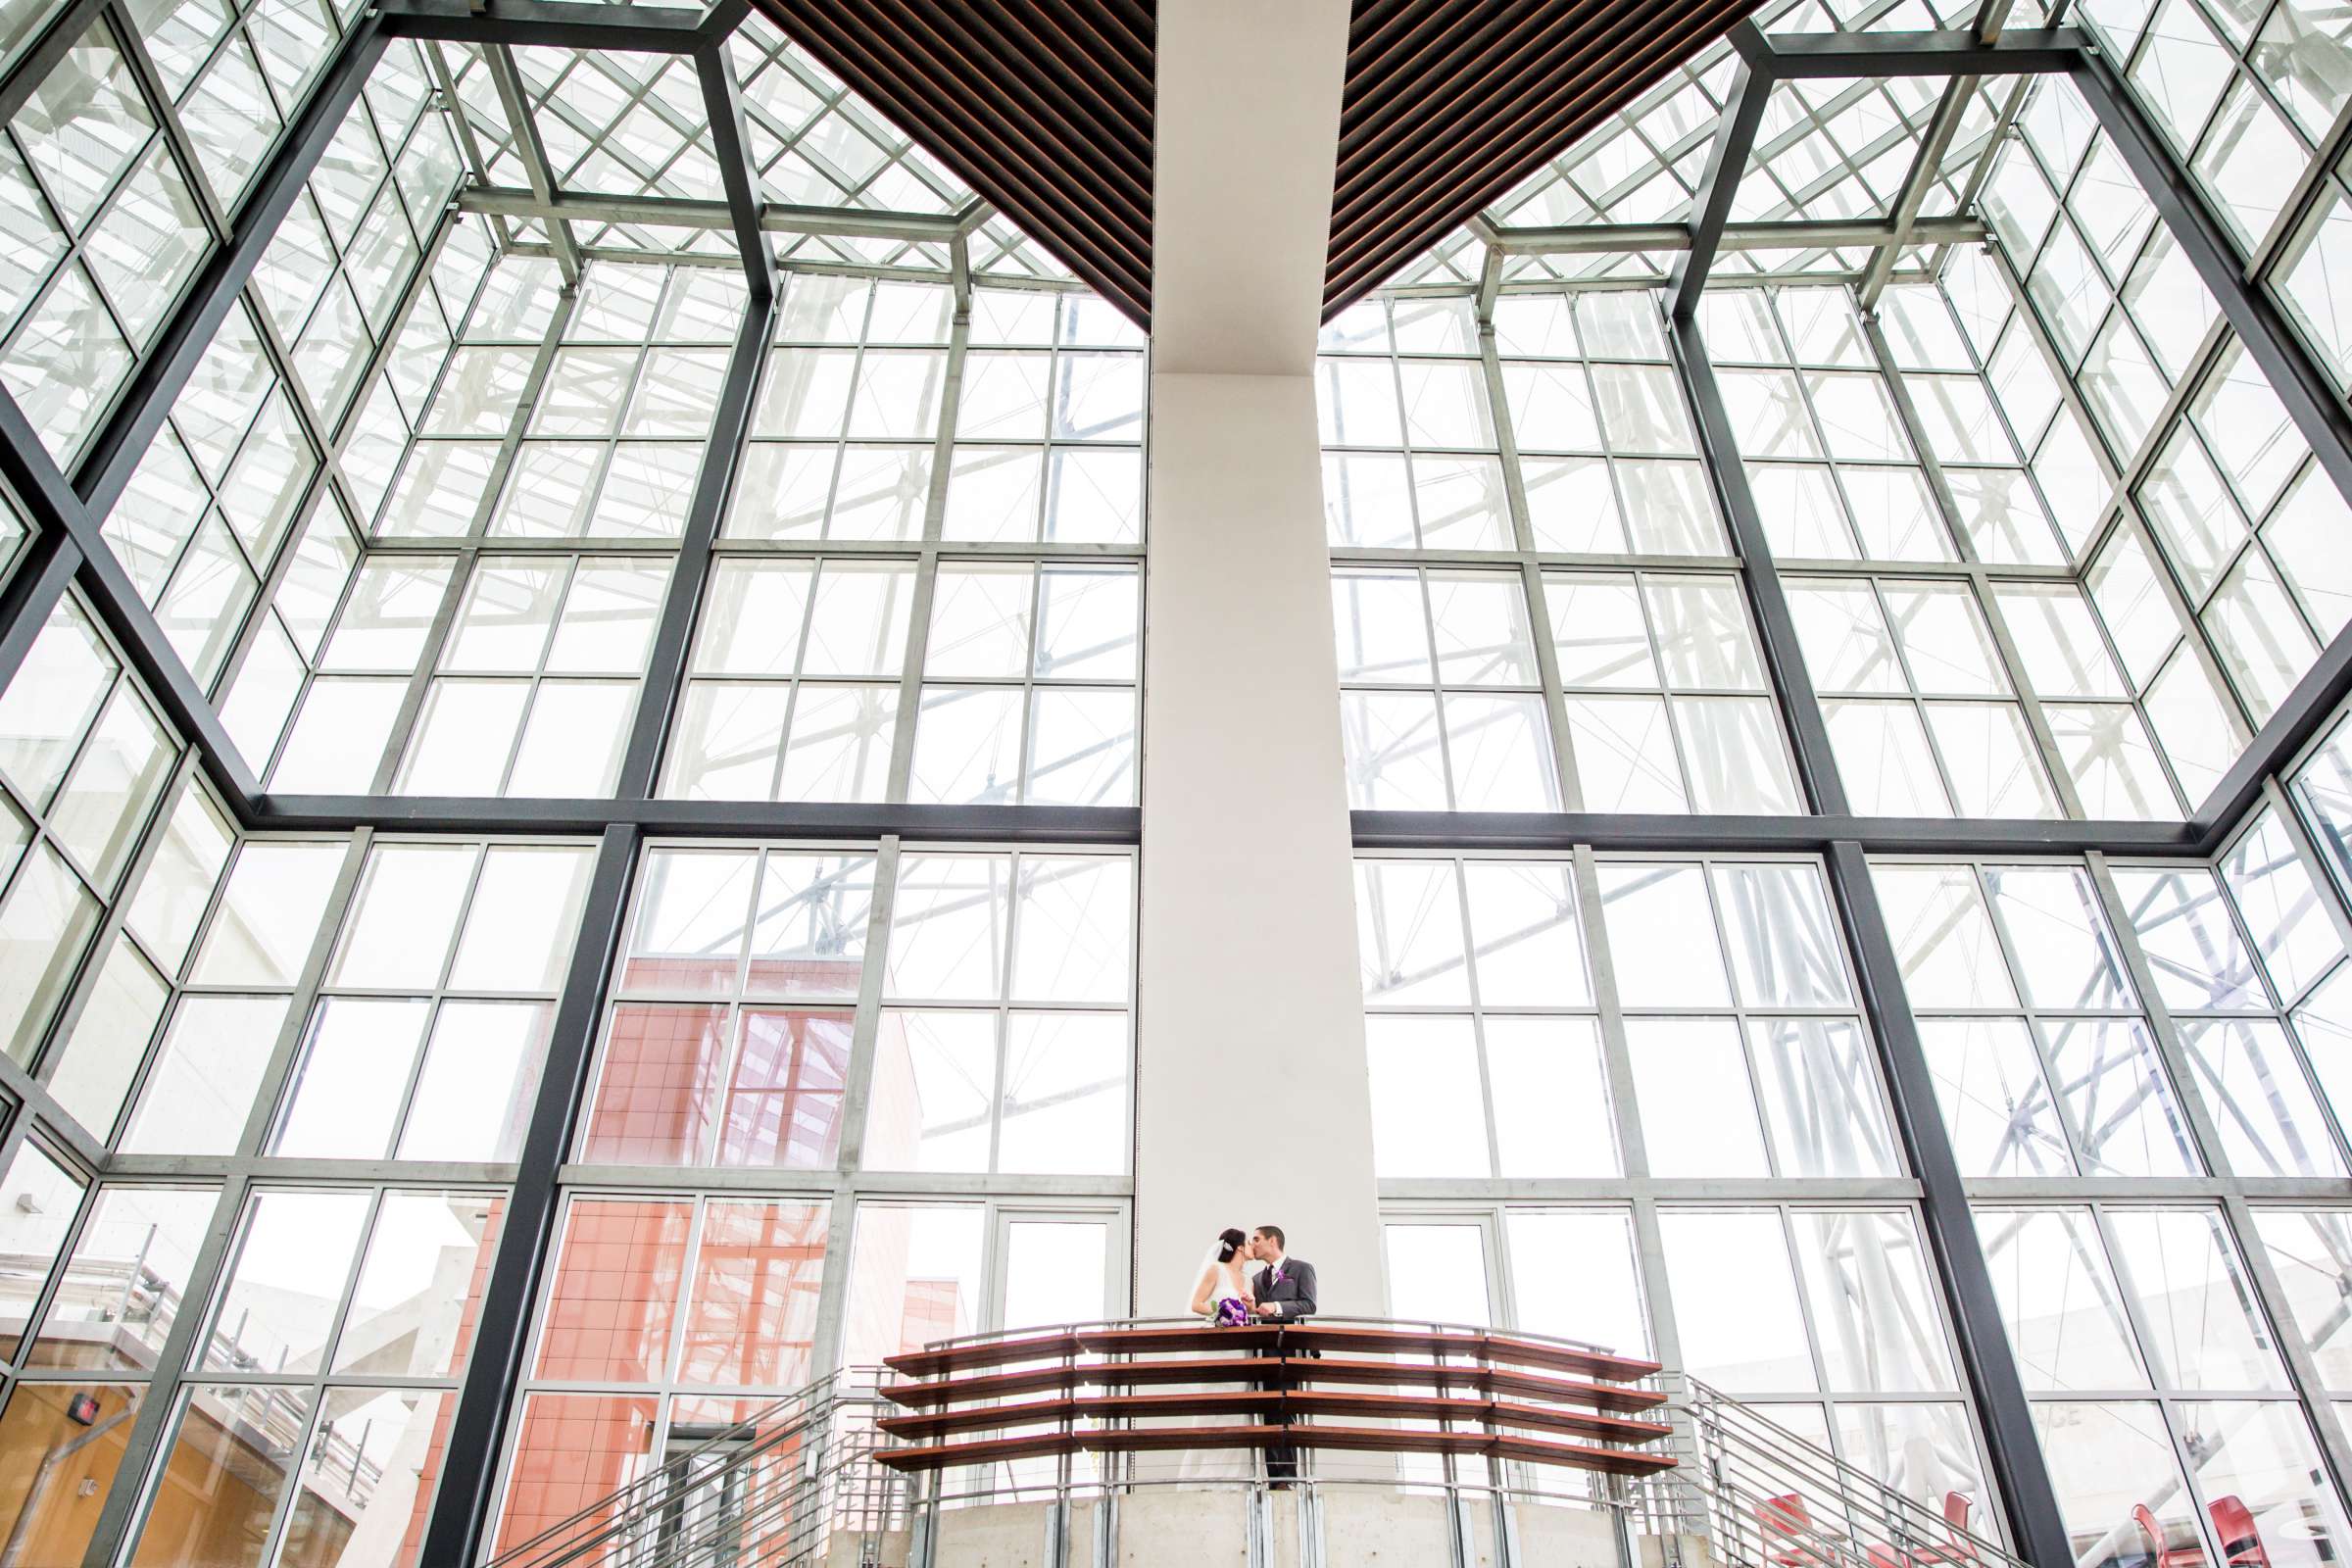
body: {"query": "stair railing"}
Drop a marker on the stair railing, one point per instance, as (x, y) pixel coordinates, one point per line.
(783, 1486)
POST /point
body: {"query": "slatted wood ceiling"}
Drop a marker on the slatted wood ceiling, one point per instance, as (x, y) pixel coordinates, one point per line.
(1045, 108)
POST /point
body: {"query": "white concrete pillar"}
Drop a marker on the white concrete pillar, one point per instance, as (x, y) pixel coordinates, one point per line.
(1252, 1100)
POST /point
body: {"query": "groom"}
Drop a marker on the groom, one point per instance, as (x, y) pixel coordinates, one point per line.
(1286, 1293)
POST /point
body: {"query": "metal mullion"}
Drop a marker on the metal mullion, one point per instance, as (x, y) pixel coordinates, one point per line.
(113, 923)
(523, 135)
(865, 1028)
(2307, 855)
(1027, 687)
(666, 1379)
(428, 255)
(2165, 1035)
(139, 1470)
(1478, 1021)
(2026, 699)
(1738, 1015)
(2306, 1382)
(1514, 490)
(269, 1087)
(2309, 394)
(2037, 1027)
(1787, 1223)
(1911, 695)
(468, 552)
(469, 148)
(416, 1074)
(133, 45)
(899, 780)
(2054, 361)
(1437, 687)
(459, 1514)
(1990, 1379)
(2159, 1392)
(662, 686)
(1616, 1051)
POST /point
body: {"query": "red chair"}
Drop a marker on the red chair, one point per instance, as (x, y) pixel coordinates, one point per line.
(1785, 1522)
(2160, 1555)
(2233, 1527)
(1955, 1548)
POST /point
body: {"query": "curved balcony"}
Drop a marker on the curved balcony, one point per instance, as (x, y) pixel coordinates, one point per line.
(1335, 1441)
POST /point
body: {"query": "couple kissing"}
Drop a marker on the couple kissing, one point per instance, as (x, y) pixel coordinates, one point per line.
(1249, 1278)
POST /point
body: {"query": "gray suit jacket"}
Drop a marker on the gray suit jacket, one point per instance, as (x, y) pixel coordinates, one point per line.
(1295, 1290)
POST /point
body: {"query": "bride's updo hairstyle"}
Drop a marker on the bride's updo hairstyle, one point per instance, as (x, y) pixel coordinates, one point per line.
(1232, 1240)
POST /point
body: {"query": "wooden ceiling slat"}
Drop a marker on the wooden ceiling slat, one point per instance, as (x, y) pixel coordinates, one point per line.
(1083, 25)
(1026, 65)
(1044, 107)
(1400, 70)
(1548, 66)
(937, 38)
(1079, 231)
(1369, 265)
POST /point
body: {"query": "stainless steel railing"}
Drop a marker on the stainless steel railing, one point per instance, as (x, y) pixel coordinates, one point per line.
(784, 1488)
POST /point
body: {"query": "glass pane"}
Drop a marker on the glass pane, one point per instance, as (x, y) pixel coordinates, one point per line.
(1874, 1310)
(752, 1310)
(1746, 1341)
(615, 1296)
(427, 1263)
(286, 1282)
(914, 1276)
(2065, 1316)
(2107, 1460)
(1573, 1274)
(234, 1448)
(125, 1283)
(2204, 1328)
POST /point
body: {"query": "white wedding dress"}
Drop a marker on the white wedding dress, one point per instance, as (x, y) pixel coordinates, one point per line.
(1220, 1464)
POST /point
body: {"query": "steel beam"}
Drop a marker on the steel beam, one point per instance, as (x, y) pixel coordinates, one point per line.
(116, 451)
(1799, 234)
(2309, 709)
(1885, 835)
(554, 24)
(531, 151)
(38, 581)
(730, 144)
(1928, 161)
(1776, 626)
(662, 689)
(2306, 391)
(814, 819)
(2011, 1445)
(1727, 164)
(485, 1401)
(55, 509)
(1941, 52)
(776, 218)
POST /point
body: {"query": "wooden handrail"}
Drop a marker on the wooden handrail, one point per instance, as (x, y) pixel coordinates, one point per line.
(1383, 1439)
(1073, 1375)
(1462, 1345)
(1262, 1402)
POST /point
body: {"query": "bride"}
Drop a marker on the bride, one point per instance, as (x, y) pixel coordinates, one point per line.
(1223, 1296)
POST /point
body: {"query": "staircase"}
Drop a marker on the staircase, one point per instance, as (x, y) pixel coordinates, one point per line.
(802, 1485)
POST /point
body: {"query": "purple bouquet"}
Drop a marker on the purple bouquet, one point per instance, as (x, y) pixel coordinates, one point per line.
(1233, 1313)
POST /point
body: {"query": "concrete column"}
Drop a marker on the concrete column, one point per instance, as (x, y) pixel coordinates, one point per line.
(1253, 1101)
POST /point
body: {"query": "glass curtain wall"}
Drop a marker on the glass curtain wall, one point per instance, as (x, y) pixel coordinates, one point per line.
(437, 518)
(410, 528)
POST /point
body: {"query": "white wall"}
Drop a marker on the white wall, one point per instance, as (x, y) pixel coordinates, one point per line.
(1251, 1016)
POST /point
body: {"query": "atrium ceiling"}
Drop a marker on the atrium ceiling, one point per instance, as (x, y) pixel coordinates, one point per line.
(1047, 110)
